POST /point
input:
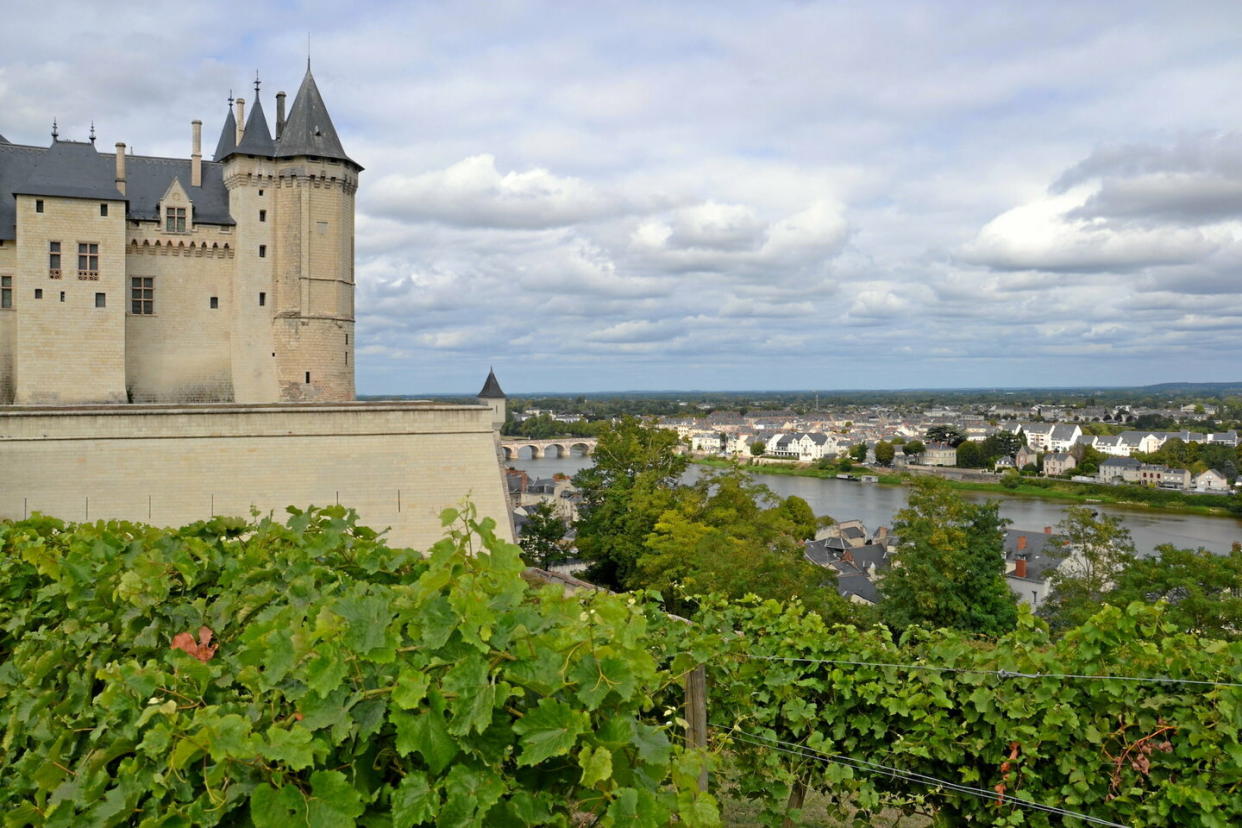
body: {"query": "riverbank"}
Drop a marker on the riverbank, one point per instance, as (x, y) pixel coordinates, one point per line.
(1130, 497)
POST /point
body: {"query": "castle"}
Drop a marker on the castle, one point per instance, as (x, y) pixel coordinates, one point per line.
(161, 280)
(217, 299)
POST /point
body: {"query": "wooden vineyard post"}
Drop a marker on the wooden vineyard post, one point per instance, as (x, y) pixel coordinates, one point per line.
(696, 714)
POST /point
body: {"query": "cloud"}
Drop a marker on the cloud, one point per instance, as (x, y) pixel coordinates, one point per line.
(474, 193)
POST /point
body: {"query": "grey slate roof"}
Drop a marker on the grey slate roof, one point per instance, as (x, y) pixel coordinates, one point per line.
(491, 388)
(75, 170)
(16, 164)
(70, 169)
(228, 137)
(1044, 552)
(308, 129)
(257, 138)
(1120, 463)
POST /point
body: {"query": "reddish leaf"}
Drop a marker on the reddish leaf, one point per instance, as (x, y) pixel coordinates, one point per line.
(203, 649)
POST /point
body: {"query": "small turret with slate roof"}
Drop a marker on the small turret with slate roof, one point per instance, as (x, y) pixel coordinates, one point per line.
(492, 397)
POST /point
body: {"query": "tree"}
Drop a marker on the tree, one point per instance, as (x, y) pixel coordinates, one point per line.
(758, 448)
(1003, 444)
(731, 536)
(634, 480)
(946, 434)
(1095, 550)
(969, 456)
(884, 453)
(543, 537)
(858, 452)
(1203, 590)
(950, 568)
(914, 447)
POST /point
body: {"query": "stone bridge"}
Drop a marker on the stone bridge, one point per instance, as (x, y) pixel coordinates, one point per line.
(566, 447)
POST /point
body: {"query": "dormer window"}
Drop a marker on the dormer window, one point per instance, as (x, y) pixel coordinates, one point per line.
(174, 219)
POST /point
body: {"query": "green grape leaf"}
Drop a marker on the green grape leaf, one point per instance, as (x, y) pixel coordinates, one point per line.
(277, 808)
(596, 765)
(425, 733)
(333, 803)
(293, 746)
(413, 801)
(550, 729)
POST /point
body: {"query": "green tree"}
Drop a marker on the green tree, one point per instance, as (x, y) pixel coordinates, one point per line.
(543, 537)
(634, 480)
(914, 447)
(858, 452)
(946, 434)
(884, 453)
(1096, 549)
(1203, 590)
(730, 536)
(950, 568)
(757, 448)
(970, 456)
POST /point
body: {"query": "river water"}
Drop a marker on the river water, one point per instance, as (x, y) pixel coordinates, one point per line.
(875, 505)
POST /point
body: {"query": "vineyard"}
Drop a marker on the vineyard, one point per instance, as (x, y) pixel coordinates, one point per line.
(304, 673)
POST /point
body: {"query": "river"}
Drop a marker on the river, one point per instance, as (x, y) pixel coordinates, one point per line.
(875, 505)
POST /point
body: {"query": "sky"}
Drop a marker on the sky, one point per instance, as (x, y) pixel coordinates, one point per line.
(723, 196)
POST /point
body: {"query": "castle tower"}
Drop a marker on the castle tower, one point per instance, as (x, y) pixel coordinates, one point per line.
(313, 245)
(492, 397)
(250, 176)
(292, 198)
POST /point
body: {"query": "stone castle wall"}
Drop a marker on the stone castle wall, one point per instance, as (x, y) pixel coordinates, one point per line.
(398, 464)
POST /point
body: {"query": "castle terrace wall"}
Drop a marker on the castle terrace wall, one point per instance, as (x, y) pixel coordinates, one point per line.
(398, 464)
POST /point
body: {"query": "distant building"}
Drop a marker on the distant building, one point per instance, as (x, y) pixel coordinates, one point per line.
(939, 454)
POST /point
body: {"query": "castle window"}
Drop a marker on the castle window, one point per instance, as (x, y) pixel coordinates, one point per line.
(263, 215)
(88, 260)
(53, 260)
(260, 193)
(215, 303)
(103, 209)
(142, 295)
(263, 251)
(38, 205)
(174, 219)
(6, 291)
(38, 293)
(101, 300)
(62, 296)
(262, 298)
(308, 377)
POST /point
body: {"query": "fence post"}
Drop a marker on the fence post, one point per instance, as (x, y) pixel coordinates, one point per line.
(696, 714)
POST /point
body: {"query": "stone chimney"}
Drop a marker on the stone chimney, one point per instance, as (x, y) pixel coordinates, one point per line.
(280, 114)
(1019, 567)
(196, 154)
(1021, 542)
(240, 116)
(120, 167)
(1047, 530)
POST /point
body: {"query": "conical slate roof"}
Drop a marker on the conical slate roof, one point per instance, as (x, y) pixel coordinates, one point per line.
(257, 138)
(228, 137)
(491, 388)
(308, 130)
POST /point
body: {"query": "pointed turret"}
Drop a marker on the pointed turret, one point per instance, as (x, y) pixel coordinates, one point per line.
(492, 397)
(491, 388)
(228, 136)
(256, 137)
(309, 130)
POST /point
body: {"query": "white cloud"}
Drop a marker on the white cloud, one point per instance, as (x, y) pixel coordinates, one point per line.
(474, 193)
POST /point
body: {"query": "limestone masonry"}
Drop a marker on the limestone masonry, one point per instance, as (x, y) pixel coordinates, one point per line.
(177, 340)
(128, 277)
